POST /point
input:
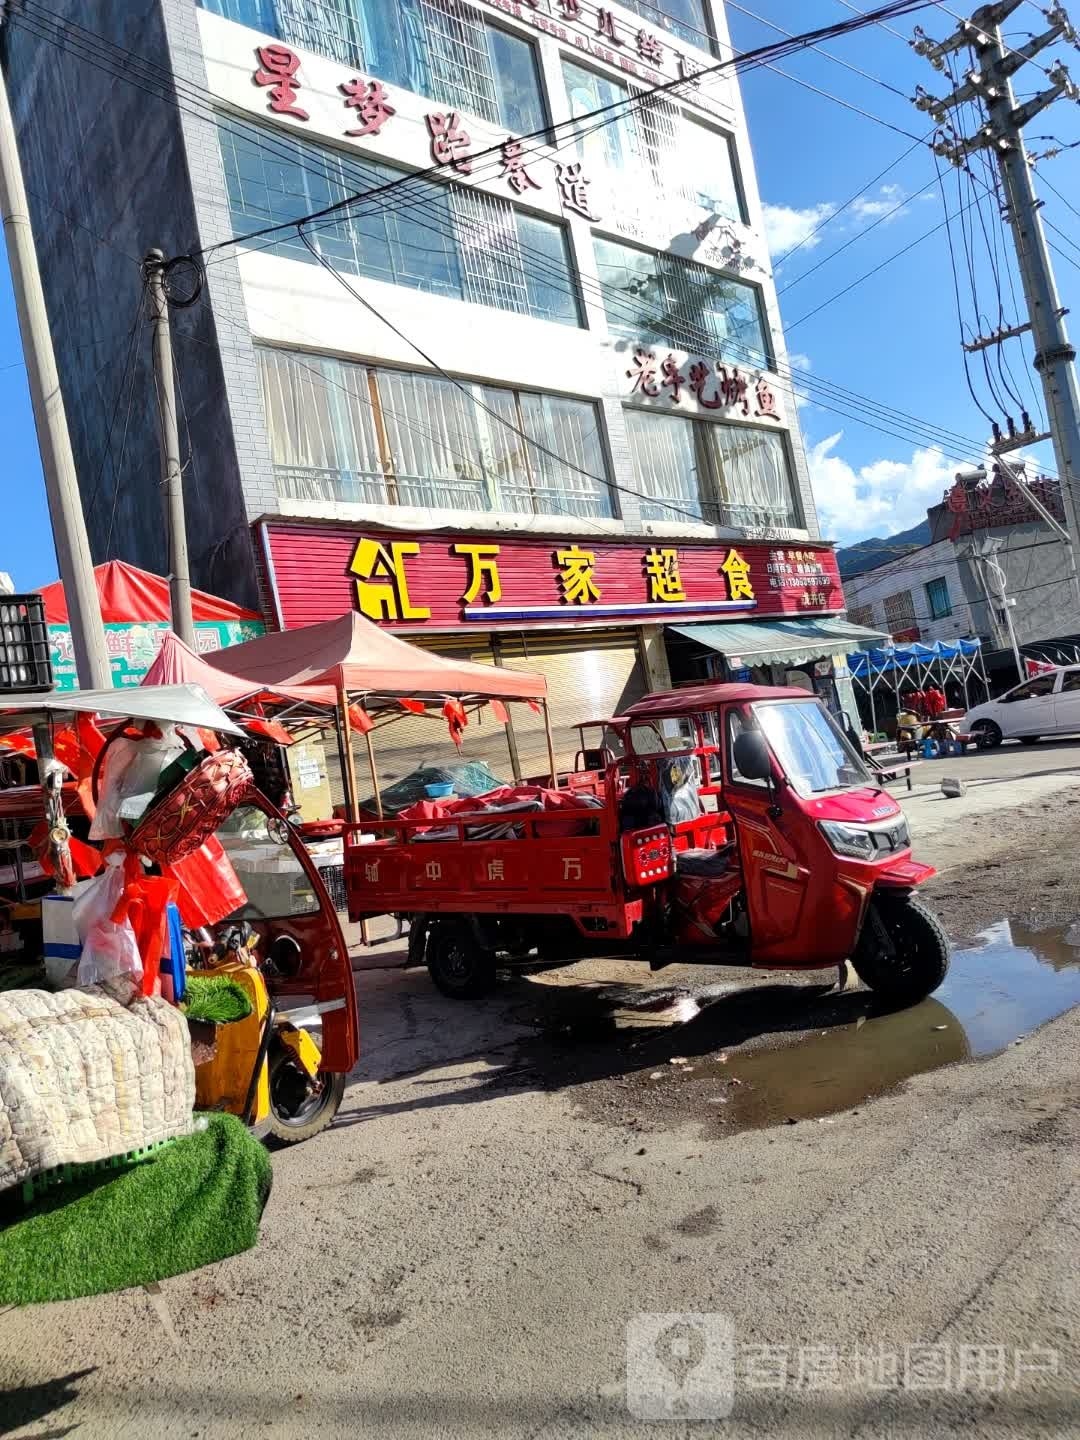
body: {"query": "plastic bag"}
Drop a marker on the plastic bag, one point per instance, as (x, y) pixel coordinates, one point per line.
(109, 948)
(132, 769)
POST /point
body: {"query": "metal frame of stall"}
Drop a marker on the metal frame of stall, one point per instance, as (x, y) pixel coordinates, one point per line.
(921, 665)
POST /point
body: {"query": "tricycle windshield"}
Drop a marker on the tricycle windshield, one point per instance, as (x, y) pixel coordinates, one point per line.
(812, 750)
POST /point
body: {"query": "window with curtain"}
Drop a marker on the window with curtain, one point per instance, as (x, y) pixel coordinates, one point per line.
(446, 50)
(443, 239)
(655, 142)
(736, 475)
(937, 597)
(445, 446)
(663, 300)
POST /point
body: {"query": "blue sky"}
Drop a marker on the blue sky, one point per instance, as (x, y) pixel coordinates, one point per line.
(893, 339)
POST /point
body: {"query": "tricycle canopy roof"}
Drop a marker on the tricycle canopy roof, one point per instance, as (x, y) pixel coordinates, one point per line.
(175, 704)
(693, 698)
(357, 656)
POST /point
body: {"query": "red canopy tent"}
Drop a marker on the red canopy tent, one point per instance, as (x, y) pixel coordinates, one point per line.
(365, 662)
(128, 595)
(177, 664)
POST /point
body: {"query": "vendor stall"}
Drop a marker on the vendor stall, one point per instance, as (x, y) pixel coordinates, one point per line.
(883, 677)
(378, 680)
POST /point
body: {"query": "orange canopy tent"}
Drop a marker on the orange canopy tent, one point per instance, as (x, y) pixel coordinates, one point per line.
(177, 664)
(363, 661)
(128, 595)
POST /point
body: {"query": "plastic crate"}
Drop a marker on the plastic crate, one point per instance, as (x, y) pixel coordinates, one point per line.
(24, 644)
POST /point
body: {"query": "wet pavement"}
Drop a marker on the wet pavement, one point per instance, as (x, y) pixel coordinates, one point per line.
(738, 1057)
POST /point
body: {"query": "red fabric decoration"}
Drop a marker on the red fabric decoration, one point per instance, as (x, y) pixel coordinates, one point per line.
(498, 711)
(20, 744)
(85, 859)
(533, 706)
(190, 813)
(272, 730)
(415, 707)
(456, 720)
(143, 904)
(360, 720)
(209, 740)
(77, 749)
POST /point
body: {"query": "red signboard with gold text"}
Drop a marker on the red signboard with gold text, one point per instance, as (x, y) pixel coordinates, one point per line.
(445, 581)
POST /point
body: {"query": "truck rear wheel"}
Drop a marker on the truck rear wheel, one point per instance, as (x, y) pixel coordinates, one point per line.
(457, 964)
(903, 953)
(299, 1106)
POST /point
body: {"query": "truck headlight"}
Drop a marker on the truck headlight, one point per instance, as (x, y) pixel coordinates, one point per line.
(853, 840)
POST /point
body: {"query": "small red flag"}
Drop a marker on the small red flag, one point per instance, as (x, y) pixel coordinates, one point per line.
(415, 707)
(498, 710)
(360, 720)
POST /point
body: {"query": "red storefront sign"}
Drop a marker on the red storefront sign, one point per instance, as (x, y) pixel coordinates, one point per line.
(444, 581)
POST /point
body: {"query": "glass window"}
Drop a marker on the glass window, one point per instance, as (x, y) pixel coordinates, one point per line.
(1070, 680)
(735, 475)
(447, 446)
(937, 597)
(443, 239)
(442, 49)
(737, 724)
(656, 140)
(1044, 685)
(665, 300)
(684, 18)
(276, 883)
(812, 750)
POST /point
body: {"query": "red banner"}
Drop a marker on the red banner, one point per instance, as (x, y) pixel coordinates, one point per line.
(441, 582)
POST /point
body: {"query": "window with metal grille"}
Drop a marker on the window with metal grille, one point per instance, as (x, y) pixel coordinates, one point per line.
(661, 299)
(346, 431)
(654, 143)
(861, 615)
(441, 238)
(937, 597)
(446, 50)
(734, 475)
(899, 612)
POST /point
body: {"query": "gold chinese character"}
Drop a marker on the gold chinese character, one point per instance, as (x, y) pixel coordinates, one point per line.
(738, 576)
(382, 590)
(576, 575)
(662, 573)
(483, 571)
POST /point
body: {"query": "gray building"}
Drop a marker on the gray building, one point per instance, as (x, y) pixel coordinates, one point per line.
(530, 406)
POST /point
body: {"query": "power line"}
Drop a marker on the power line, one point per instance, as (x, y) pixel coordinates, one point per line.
(881, 219)
(836, 59)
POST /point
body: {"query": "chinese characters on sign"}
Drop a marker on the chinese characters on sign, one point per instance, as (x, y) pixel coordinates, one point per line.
(450, 142)
(801, 571)
(368, 99)
(662, 573)
(277, 69)
(514, 171)
(713, 386)
(382, 589)
(576, 575)
(573, 189)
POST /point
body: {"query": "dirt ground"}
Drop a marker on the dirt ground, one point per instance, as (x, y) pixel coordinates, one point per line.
(516, 1187)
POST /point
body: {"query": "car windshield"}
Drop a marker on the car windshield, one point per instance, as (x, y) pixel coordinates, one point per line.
(812, 750)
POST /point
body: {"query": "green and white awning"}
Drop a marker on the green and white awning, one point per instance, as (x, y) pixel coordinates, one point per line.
(782, 642)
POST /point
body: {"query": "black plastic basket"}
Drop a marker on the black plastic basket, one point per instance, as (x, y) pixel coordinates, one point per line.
(24, 644)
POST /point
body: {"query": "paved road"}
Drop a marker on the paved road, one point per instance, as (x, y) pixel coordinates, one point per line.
(462, 1253)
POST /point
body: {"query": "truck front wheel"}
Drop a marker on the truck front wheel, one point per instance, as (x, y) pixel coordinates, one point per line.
(457, 964)
(903, 953)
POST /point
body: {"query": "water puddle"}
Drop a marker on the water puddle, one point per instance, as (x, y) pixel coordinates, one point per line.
(691, 1050)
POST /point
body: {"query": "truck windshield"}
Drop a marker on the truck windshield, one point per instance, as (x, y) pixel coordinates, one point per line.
(812, 750)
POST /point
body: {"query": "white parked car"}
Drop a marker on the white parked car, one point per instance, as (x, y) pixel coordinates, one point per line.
(1048, 704)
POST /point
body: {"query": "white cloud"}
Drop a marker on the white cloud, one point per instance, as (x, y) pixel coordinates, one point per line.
(874, 207)
(786, 227)
(876, 499)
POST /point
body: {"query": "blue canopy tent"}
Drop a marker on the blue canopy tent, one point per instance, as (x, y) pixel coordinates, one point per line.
(901, 668)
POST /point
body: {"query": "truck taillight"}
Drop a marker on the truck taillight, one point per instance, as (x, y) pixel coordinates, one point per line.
(646, 856)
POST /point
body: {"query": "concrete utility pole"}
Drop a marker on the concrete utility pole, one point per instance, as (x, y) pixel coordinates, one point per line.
(172, 480)
(50, 419)
(991, 84)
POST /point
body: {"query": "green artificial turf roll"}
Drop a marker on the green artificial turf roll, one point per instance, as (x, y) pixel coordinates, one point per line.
(198, 1201)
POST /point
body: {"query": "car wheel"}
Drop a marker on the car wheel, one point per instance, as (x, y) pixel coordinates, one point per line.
(987, 734)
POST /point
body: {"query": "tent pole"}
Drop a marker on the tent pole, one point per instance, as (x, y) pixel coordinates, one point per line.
(374, 773)
(873, 707)
(550, 746)
(350, 768)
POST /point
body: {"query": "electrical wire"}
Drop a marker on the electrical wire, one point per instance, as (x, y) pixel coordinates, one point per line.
(836, 59)
(91, 503)
(881, 220)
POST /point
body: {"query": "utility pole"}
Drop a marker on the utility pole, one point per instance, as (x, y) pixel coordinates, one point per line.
(50, 418)
(172, 480)
(990, 84)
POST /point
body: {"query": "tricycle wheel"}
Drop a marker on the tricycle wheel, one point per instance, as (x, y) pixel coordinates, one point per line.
(457, 964)
(299, 1106)
(903, 953)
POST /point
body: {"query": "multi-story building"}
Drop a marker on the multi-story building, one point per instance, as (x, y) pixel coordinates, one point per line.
(520, 388)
